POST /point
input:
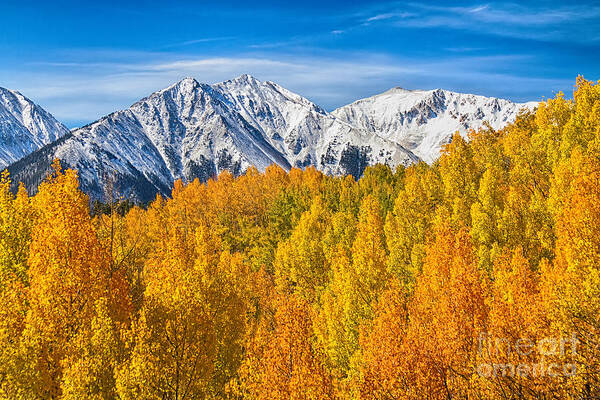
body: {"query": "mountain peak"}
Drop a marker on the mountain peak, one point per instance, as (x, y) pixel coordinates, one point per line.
(424, 120)
(5, 90)
(188, 82)
(195, 130)
(246, 78)
(185, 85)
(25, 127)
(12, 95)
(400, 89)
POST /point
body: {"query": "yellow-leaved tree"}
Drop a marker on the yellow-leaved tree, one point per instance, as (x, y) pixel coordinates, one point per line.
(448, 313)
(68, 274)
(300, 262)
(285, 361)
(358, 278)
(574, 282)
(16, 220)
(194, 312)
(408, 225)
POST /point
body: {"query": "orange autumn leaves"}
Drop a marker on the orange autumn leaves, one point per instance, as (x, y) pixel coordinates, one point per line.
(430, 281)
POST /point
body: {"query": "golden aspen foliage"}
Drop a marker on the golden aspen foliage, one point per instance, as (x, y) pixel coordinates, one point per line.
(436, 281)
(175, 318)
(378, 181)
(288, 364)
(300, 263)
(336, 324)
(194, 310)
(182, 367)
(15, 374)
(486, 144)
(527, 220)
(68, 273)
(580, 137)
(570, 125)
(357, 280)
(576, 285)
(408, 225)
(227, 294)
(459, 177)
(486, 216)
(517, 324)
(448, 312)
(91, 375)
(16, 219)
(385, 365)
(262, 302)
(551, 119)
(340, 234)
(369, 255)
(349, 197)
(309, 178)
(587, 113)
(132, 244)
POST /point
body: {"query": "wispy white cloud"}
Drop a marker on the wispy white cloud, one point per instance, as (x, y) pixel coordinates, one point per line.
(79, 92)
(389, 15)
(479, 8)
(566, 23)
(331, 57)
(200, 40)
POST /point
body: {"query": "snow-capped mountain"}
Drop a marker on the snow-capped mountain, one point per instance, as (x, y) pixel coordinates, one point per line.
(304, 133)
(24, 127)
(193, 130)
(425, 120)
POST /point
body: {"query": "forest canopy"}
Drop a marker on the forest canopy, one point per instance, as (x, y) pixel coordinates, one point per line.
(475, 277)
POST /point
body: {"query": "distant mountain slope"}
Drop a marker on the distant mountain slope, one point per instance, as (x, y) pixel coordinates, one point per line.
(192, 130)
(24, 127)
(423, 121)
(304, 133)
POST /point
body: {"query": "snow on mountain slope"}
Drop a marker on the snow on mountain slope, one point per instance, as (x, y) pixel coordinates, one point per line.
(24, 127)
(423, 121)
(305, 133)
(192, 130)
(182, 132)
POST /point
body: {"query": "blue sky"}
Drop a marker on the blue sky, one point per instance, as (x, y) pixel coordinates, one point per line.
(81, 60)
